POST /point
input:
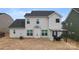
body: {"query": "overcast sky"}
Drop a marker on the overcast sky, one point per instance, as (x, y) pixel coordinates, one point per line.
(17, 13)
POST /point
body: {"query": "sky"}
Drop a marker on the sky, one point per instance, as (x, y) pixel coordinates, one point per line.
(18, 13)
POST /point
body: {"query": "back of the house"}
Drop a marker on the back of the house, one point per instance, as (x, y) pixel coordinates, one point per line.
(37, 24)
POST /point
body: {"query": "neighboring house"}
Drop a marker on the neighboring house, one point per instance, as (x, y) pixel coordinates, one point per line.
(72, 24)
(5, 22)
(37, 24)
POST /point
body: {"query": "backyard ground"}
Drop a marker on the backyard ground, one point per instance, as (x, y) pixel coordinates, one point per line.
(35, 44)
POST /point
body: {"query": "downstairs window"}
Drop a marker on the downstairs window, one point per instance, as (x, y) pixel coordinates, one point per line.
(29, 32)
(44, 33)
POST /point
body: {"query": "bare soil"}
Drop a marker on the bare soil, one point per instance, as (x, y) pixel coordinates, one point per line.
(35, 44)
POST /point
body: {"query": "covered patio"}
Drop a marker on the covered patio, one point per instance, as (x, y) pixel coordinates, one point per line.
(62, 32)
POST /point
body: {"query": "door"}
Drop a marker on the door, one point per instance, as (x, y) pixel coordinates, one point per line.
(37, 33)
(54, 34)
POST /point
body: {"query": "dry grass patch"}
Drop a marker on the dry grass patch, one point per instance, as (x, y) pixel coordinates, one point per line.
(33, 44)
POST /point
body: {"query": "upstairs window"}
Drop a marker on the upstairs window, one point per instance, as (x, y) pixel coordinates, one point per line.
(57, 20)
(66, 24)
(37, 21)
(14, 31)
(71, 24)
(28, 21)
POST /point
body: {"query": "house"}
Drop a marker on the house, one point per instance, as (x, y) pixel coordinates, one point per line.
(5, 21)
(72, 24)
(37, 24)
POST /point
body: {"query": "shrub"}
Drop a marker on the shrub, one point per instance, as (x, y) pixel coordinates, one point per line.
(21, 37)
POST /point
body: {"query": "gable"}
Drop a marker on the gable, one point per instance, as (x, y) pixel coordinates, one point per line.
(76, 10)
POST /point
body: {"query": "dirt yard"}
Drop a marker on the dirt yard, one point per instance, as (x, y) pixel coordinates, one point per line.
(35, 44)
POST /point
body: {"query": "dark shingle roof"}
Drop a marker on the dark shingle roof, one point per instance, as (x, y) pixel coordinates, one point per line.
(2, 13)
(39, 13)
(18, 23)
(77, 9)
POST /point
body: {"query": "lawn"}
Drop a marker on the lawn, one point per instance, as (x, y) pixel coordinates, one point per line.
(35, 44)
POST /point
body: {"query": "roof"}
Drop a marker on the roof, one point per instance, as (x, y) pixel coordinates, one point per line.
(39, 13)
(76, 9)
(2, 13)
(18, 23)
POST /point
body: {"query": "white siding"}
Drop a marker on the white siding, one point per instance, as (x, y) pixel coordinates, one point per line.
(45, 23)
(18, 32)
(52, 22)
(53, 25)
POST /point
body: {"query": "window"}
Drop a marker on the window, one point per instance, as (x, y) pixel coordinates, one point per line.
(28, 21)
(57, 20)
(14, 31)
(29, 33)
(37, 21)
(71, 24)
(44, 33)
(66, 24)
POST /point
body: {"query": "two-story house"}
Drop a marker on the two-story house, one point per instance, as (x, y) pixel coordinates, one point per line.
(37, 24)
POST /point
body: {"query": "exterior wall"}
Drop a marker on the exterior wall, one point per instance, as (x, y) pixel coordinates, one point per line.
(72, 24)
(45, 23)
(5, 22)
(72, 21)
(52, 22)
(18, 32)
(53, 25)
